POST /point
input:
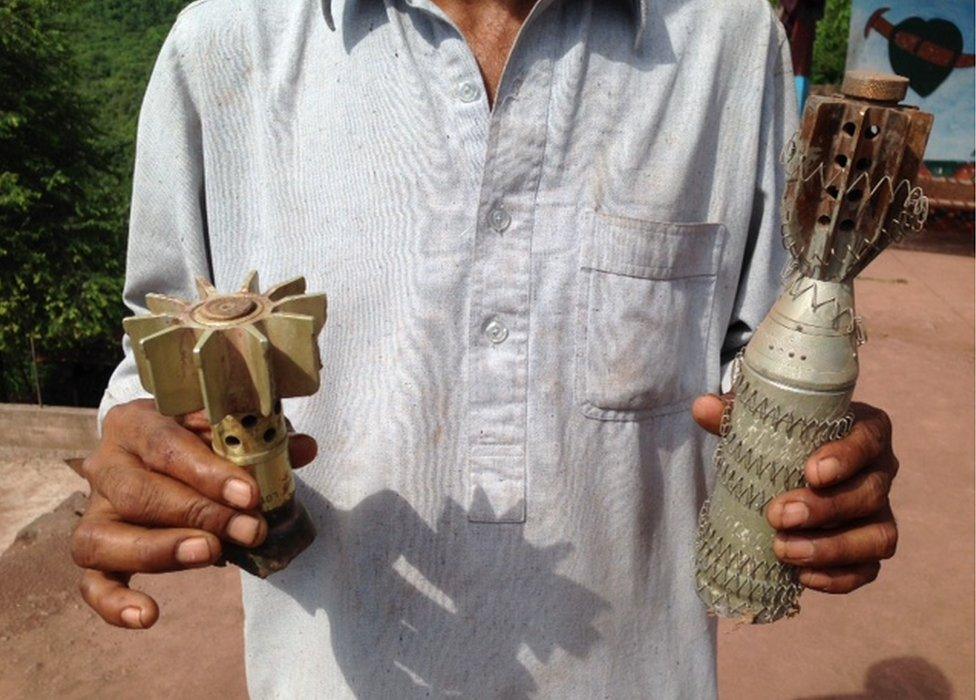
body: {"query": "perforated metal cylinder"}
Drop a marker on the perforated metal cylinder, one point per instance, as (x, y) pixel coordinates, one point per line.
(793, 388)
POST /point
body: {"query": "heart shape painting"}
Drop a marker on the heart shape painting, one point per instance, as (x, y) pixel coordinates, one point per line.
(924, 77)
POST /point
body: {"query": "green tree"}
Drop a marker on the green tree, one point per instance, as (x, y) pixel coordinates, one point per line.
(60, 245)
(115, 43)
(830, 47)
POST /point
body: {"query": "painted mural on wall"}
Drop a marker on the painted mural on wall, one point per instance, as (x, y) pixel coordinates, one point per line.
(931, 44)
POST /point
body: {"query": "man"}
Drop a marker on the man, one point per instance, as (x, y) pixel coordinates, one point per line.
(543, 229)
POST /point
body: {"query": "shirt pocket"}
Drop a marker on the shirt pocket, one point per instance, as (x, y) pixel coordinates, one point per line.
(645, 314)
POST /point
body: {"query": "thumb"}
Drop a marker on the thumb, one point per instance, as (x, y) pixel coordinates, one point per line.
(301, 449)
(196, 421)
(198, 424)
(708, 409)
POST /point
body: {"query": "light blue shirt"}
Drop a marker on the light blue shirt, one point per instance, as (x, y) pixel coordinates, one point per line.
(523, 303)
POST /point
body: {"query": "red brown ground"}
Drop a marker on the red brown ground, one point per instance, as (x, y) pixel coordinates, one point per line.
(910, 635)
(52, 646)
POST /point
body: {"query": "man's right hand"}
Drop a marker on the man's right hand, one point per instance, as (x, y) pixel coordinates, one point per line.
(161, 500)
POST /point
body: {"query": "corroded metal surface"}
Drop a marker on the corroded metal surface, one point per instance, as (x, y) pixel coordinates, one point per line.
(236, 356)
(850, 193)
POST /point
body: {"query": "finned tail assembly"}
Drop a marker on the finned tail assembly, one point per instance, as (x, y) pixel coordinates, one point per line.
(236, 356)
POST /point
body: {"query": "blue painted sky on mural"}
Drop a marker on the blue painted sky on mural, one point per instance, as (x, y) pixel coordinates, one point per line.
(954, 102)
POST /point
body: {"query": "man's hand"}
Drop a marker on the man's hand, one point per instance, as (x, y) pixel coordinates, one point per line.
(161, 500)
(840, 528)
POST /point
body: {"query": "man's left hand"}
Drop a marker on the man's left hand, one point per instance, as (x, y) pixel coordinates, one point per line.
(839, 528)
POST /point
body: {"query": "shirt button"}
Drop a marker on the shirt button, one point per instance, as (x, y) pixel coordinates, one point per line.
(499, 219)
(468, 92)
(496, 331)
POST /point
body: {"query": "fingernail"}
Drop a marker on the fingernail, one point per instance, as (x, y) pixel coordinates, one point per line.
(193, 550)
(827, 469)
(793, 548)
(132, 617)
(243, 528)
(237, 492)
(814, 579)
(794, 514)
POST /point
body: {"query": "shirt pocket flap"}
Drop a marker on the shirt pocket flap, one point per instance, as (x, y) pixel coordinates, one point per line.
(652, 249)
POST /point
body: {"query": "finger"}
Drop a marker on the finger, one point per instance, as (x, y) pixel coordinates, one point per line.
(708, 410)
(871, 541)
(196, 421)
(114, 546)
(302, 449)
(841, 579)
(110, 596)
(854, 499)
(143, 497)
(198, 424)
(166, 447)
(869, 440)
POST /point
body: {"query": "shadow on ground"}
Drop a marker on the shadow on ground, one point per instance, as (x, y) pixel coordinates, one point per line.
(905, 678)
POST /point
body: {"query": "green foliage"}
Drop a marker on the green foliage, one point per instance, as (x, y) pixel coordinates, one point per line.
(58, 250)
(72, 74)
(830, 47)
(115, 44)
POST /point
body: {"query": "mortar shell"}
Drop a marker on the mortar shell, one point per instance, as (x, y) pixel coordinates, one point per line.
(793, 387)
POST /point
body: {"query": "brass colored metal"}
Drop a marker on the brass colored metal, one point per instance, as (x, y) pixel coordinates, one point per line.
(236, 356)
(227, 308)
(850, 192)
(880, 87)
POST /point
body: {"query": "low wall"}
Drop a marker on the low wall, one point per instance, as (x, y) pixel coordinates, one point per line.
(56, 428)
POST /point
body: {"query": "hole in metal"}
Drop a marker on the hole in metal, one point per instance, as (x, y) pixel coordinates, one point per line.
(872, 131)
(847, 225)
(249, 421)
(833, 191)
(232, 440)
(823, 220)
(850, 128)
(841, 160)
(269, 434)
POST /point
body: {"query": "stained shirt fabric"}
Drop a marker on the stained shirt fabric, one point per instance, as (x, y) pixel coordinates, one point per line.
(524, 300)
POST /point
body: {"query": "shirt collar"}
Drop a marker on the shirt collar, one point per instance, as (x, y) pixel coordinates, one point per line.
(640, 9)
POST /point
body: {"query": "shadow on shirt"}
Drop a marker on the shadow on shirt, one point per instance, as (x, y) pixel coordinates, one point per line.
(453, 609)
